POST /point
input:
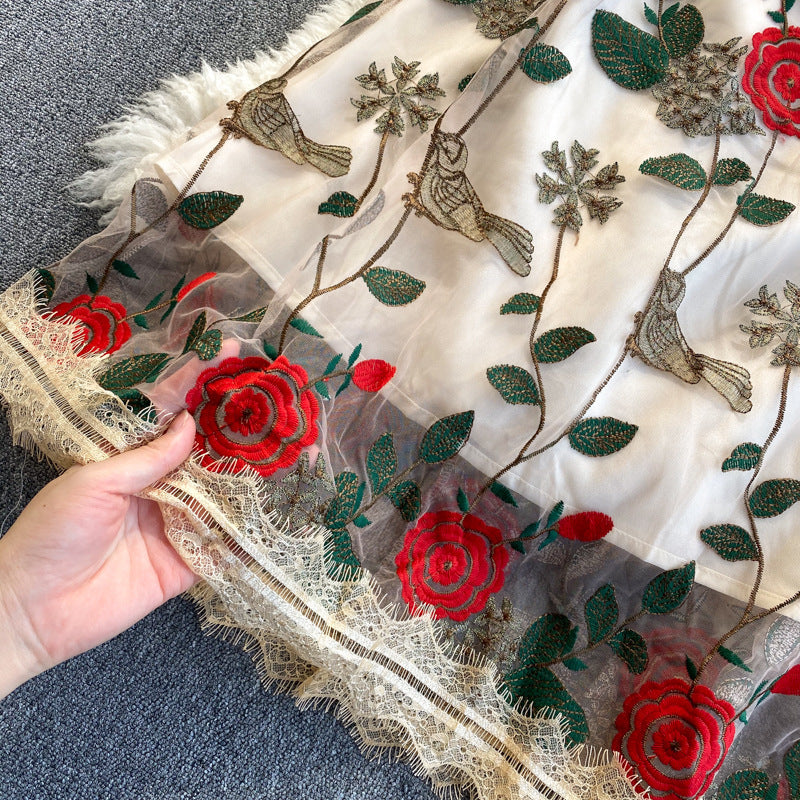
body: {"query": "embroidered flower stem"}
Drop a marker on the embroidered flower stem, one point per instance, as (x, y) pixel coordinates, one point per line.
(373, 180)
(389, 486)
(316, 291)
(540, 385)
(736, 211)
(703, 195)
(134, 234)
(322, 378)
(607, 638)
(512, 70)
(747, 615)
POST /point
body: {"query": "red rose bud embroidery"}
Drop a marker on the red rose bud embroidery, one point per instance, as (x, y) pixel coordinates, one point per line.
(206, 276)
(788, 683)
(104, 329)
(588, 526)
(372, 375)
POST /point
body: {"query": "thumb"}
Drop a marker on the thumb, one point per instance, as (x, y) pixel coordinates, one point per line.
(134, 470)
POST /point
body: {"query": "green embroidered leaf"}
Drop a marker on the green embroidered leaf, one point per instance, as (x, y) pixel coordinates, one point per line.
(154, 302)
(503, 493)
(731, 170)
(340, 204)
(462, 84)
(515, 384)
(175, 289)
(602, 613)
(744, 457)
(773, 497)
(732, 658)
(124, 268)
(601, 436)
(133, 370)
(678, 169)
(518, 546)
(381, 463)
(393, 287)
(747, 784)
(462, 501)
(344, 504)
(549, 539)
(362, 12)
(170, 309)
(650, 15)
(138, 403)
(521, 303)
(530, 530)
(270, 350)
(544, 63)
(560, 343)
(764, 211)
(361, 521)
(208, 345)
(141, 321)
(305, 327)
(629, 56)
(682, 31)
(196, 332)
(538, 689)
(354, 355)
(730, 542)
(332, 364)
(791, 766)
(691, 668)
(252, 316)
(94, 288)
(575, 664)
(345, 383)
(446, 437)
(555, 514)
(668, 590)
(206, 210)
(772, 792)
(631, 648)
(322, 390)
(340, 561)
(548, 639)
(407, 499)
(778, 17)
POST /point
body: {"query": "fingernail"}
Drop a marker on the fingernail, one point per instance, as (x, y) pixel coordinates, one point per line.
(180, 423)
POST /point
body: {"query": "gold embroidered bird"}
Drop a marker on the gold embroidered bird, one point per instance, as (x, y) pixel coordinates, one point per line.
(265, 117)
(445, 195)
(659, 342)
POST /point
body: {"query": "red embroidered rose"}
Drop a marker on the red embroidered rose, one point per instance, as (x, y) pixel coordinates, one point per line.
(772, 78)
(588, 526)
(206, 276)
(675, 736)
(104, 329)
(254, 411)
(451, 565)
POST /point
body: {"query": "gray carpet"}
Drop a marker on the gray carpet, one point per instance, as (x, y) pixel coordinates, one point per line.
(162, 711)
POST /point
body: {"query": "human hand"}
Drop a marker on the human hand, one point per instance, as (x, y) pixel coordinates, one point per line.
(86, 559)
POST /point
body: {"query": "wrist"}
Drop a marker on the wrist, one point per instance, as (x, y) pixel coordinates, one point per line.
(18, 643)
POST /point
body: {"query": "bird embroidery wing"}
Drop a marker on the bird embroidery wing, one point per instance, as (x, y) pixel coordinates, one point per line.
(274, 117)
(454, 195)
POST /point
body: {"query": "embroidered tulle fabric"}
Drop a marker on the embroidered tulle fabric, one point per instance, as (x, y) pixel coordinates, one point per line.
(429, 295)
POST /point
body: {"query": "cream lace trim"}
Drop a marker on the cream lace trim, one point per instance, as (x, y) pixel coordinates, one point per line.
(389, 675)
